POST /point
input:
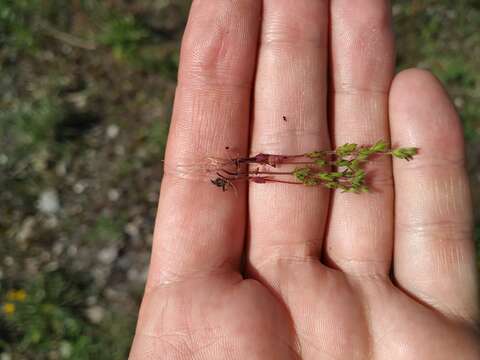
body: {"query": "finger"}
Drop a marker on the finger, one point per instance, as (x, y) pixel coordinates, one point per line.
(359, 239)
(199, 228)
(288, 220)
(434, 253)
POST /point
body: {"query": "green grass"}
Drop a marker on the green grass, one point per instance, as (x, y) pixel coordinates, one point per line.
(51, 321)
(66, 78)
(442, 37)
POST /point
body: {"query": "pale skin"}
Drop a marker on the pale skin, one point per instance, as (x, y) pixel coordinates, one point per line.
(277, 271)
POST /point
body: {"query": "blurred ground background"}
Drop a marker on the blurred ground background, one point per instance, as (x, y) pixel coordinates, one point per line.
(85, 98)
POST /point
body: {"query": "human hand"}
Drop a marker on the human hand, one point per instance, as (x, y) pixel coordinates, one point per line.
(277, 271)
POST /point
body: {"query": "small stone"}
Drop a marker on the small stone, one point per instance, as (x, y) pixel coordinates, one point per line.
(65, 349)
(61, 169)
(79, 100)
(58, 248)
(100, 276)
(51, 266)
(26, 230)
(5, 356)
(459, 102)
(137, 276)
(112, 131)
(3, 159)
(396, 9)
(133, 274)
(72, 250)
(79, 187)
(132, 230)
(111, 294)
(113, 195)
(8, 261)
(108, 255)
(91, 300)
(48, 202)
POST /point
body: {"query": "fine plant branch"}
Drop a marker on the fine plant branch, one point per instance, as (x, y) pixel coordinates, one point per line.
(340, 169)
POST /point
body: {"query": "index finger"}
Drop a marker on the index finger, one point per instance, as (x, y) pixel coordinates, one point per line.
(200, 229)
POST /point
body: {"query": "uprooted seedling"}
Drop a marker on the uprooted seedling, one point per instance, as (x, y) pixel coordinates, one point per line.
(340, 169)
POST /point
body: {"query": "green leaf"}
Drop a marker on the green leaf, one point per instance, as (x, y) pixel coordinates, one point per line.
(359, 177)
(354, 165)
(346, 149)
(324, 176)
(316, 154)
(332, 185)
(405, 153)
(342, 163)
(364, 154)
(379, 146)
(311, 181)
(301, 174)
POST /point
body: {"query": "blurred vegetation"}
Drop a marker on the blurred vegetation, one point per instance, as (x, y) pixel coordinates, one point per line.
(86, 88)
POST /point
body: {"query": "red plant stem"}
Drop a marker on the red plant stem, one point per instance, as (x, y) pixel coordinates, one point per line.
(273, 160)
(298, 163)
(255, 172)
(266, 179)
(238, 176)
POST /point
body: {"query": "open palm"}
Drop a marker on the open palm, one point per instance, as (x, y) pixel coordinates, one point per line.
(277, 271)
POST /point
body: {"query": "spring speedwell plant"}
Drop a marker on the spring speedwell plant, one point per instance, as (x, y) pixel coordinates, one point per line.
(340, 169)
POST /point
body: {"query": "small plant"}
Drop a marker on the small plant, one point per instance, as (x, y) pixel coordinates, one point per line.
(340, 169)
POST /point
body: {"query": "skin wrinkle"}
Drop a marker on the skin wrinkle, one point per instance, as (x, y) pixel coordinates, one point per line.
(300, 120)
(213, 113)
(272, 261)
(444, 204)
(205, 220)
(362, 38)
(295, 349)
(444, 263)
(371, 292)
(294, 248)
(346, 91)
(400, 335)
(366, 243)
(175, 277)
(444, 228)
(367, 311)
(330, 331)
(290, 27)
(210, 57)
(312, 344)
(274, 141)
(187, 330)
(202, 111)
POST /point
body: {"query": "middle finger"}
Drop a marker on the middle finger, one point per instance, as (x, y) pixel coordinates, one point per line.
(290, 117)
